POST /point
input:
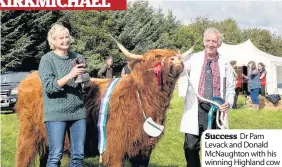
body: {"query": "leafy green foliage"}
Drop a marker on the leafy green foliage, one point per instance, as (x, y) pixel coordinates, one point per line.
(22, 39)
(231, 32)
(139, 28)
(264, 40)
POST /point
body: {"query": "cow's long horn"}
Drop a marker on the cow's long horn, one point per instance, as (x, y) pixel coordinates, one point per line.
(187, 53)
(126, 52)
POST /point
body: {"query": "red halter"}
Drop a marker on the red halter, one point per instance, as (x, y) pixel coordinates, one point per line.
(158, 72)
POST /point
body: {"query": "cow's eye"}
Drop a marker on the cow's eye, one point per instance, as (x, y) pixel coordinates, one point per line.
(158, 57)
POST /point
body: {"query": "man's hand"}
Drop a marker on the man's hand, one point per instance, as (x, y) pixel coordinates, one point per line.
(224, 107)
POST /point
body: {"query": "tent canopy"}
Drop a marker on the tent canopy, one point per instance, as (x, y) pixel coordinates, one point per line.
(245, 52)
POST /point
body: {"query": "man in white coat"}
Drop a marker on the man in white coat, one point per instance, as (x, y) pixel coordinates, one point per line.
(206, 70)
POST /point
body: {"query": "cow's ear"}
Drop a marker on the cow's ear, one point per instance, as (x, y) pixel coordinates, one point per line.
(158, 57)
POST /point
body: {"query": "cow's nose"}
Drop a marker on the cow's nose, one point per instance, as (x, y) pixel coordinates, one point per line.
(175, 59)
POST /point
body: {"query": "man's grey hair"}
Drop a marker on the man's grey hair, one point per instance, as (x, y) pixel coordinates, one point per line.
(214, 31)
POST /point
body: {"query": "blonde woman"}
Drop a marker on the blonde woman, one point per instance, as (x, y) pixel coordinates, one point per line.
(62, 98)
(254, 83)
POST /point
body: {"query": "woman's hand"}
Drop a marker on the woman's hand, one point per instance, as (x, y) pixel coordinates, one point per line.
(77, 70)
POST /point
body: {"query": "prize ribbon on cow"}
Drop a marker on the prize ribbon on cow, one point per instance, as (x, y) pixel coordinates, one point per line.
(103, 114)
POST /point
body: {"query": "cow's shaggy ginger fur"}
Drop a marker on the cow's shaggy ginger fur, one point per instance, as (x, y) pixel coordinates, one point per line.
(125, 135)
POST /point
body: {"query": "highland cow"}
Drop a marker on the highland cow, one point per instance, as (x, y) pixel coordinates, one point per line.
(154, 74)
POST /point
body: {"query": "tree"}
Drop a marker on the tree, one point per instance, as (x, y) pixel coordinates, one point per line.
(277, 43)
(90, 34)
(139, 28)
(23, 38)
(231, 32)
(261, 38)
(142, 27)
(183, 37)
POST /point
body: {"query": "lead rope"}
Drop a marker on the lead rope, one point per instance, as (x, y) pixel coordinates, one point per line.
(139, 101)
(149, 121)
(224, 123)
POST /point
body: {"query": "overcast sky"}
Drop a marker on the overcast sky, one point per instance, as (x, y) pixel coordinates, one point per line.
(261, 14)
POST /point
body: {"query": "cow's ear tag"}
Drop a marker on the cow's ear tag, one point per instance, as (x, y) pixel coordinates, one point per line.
(152, 128)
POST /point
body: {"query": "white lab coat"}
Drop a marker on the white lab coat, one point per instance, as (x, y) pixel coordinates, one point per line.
(189, 122)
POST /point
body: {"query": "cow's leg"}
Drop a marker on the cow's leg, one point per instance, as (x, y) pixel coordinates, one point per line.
(114, 154)
(140, 161)
(113, 159)
(26, 150)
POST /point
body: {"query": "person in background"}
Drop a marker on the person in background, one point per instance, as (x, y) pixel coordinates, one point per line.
(262, 72)
(236, 79)
(233, 65)
(106, 71)
(207, 76)
(125, 70)
(62, 98)
(254, 83)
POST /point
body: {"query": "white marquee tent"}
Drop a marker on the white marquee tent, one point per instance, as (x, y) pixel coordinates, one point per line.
(243, 53)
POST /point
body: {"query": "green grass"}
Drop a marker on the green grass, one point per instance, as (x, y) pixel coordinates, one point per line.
(9, 132)
(169, 150)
